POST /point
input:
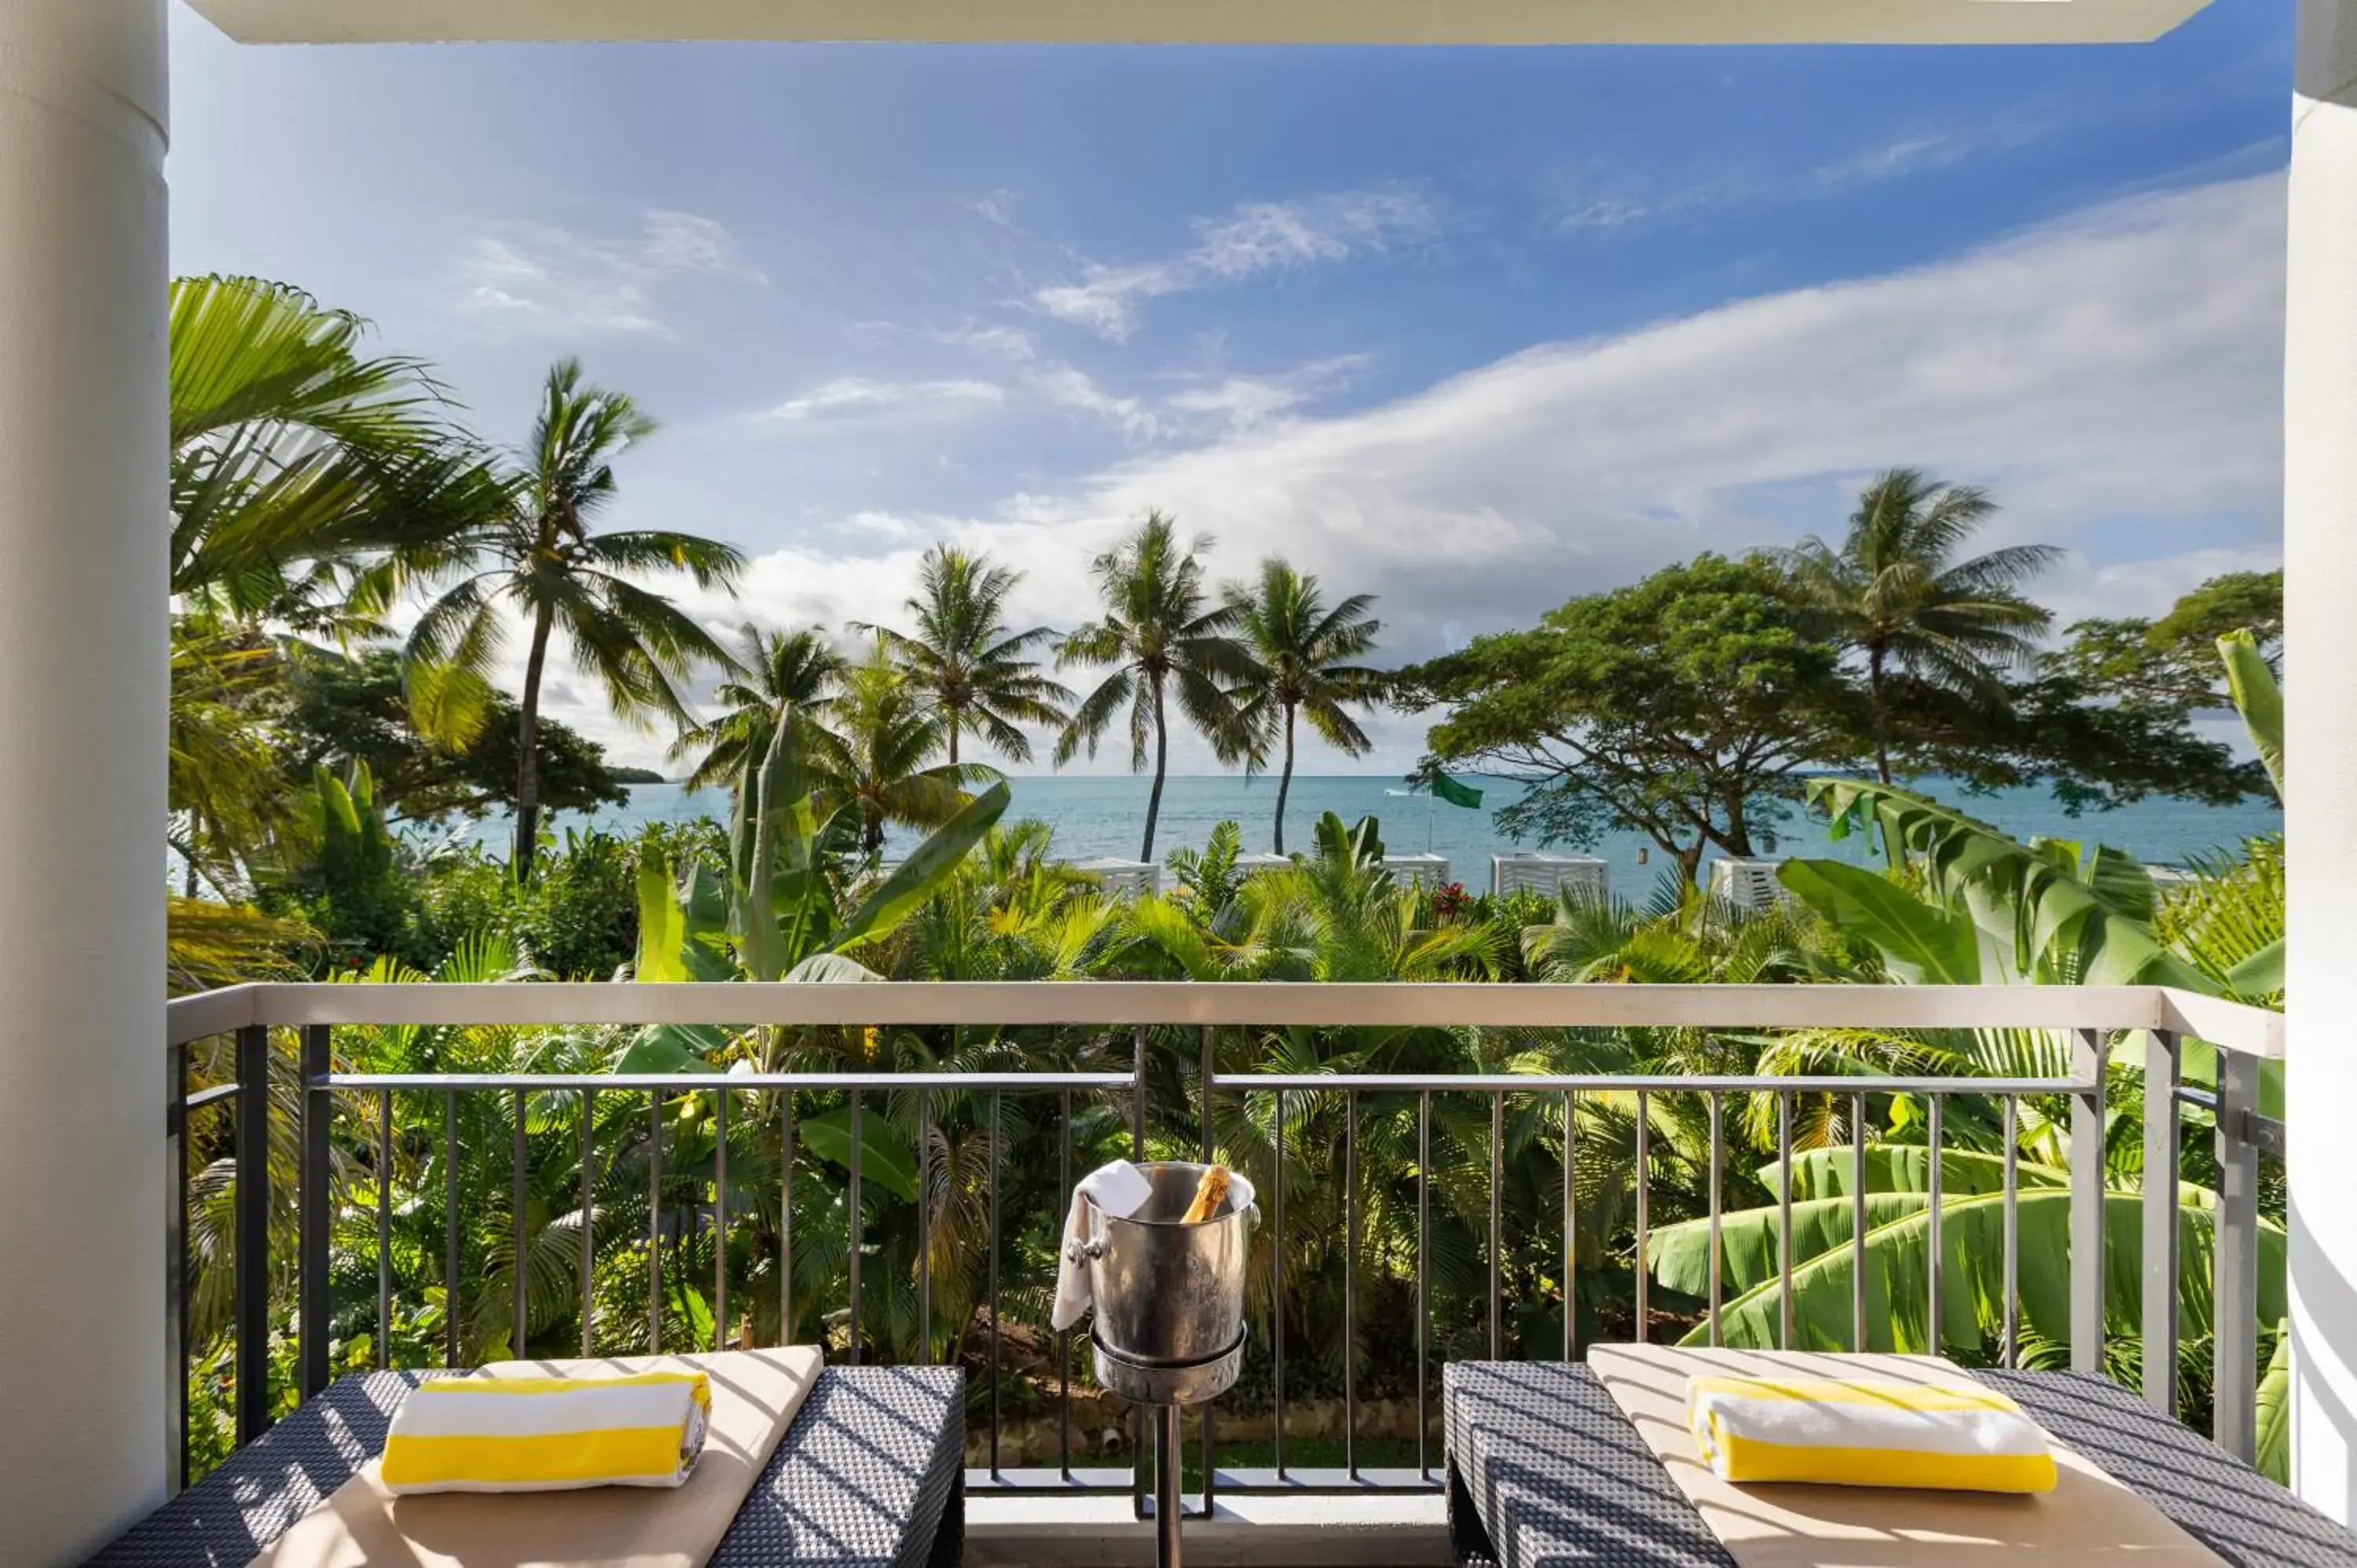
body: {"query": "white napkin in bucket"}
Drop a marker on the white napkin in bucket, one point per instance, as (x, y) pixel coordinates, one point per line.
(1119, 1189)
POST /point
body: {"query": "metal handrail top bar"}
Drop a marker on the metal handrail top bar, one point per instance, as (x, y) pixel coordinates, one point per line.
(1131, 1004)
(1559, 1083)
(705, 1082)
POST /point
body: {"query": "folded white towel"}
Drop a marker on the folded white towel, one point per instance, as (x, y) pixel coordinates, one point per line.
(1120, 1190)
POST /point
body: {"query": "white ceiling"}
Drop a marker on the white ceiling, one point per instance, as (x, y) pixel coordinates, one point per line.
(1208, 21)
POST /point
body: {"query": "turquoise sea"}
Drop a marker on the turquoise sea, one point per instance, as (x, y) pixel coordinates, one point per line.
(1101, 816)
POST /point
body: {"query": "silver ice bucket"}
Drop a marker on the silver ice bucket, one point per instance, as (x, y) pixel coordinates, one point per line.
(1166, 1293)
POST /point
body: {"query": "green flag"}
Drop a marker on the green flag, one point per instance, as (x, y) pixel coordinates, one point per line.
(1453, 792)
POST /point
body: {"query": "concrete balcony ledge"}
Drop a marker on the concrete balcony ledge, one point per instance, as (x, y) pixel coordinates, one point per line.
(1004, 1532)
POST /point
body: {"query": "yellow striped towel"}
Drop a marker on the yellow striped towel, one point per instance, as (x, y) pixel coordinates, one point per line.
(1958, 1436)
(547, 1434)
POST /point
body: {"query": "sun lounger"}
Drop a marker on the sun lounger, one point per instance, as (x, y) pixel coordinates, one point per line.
(869, 1475)
(1545, 1469)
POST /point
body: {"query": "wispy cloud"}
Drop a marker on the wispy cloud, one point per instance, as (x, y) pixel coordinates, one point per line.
(1605, 201)
(1239, 404)
(1257, 237)
(851, 395)
(1065, 386)
(547, 280)
(1005, 342)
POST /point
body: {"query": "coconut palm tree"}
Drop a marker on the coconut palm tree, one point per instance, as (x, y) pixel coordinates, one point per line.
(1158, 634)
(962, 654)
(887, 734)
(1298, 647)
(538, 558)
(775, 671)
(1894, 590)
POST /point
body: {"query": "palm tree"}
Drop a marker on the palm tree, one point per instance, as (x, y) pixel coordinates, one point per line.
(1894, 590)
(1297, 646)
(962, 653)
(775, 671)
(538, 557)
(881, 756)
(1157, 633)
(306, 476)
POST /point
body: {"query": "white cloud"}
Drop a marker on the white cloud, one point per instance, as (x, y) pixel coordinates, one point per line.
(856, 395)
(1243, 402)
(1067, 387)
(1603, 199)
(1259, 236)
(1005, 342)
(546, 280)
(2114, 379)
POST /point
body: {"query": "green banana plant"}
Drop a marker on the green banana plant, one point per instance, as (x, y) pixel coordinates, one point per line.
(1993, 911)
(779, 915)
(1897, 1254)
(2259, 699)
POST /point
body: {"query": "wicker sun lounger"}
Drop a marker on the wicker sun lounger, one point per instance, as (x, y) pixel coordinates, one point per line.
(1545, 1470)
(869, 1475)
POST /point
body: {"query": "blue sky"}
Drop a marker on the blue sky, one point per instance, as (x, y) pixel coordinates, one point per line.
(1475, 330)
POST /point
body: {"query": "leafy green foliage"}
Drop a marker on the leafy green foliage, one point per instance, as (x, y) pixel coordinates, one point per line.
(1686, 707)
(358, 710)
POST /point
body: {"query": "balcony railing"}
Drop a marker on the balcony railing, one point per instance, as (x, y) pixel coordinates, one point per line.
(1165, 1036)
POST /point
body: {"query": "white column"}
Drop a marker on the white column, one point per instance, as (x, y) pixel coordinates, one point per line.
(2320, 581)
(83, 690)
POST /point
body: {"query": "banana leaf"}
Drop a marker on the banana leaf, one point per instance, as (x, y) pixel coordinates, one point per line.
(2259, 697)
(884, 1159)
(2273, 1456)
(931, 865)
(1923, 943)
(1904, 1168)
(1972, 1247)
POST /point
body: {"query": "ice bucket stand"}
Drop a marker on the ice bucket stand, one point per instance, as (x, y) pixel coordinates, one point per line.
(1169, 1387)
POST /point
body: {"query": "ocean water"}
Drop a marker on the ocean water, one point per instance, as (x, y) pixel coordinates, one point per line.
(1093, 817)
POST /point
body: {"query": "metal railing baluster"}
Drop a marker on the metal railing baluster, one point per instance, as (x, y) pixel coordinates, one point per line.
(654, 1222)
(2158, 1353)
(1857, 1222)
(1064, 1335)
(924, 1227)
(450, 1292)
(856, 1204)
(994, 1428)
(1718, 1159)
(1570, 1227)
(1276, 1287)
(1935, 1218)
(1497, 1228)
(1210, 1070)
(1351, 1283)
(2011, 1346)
(1423, 1283)
(720, 1218)
(520, 1194)
(1644, 1217)
(785, 1217)
(250, 1303)
(588, 1222)
(2089, 1055)
(384, 1228)
(2234, 1309)
(316, 1104)
(1784, 1222)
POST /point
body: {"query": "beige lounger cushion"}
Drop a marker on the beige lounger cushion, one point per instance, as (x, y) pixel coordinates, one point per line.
(754, 1396)
(2087, 1519)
